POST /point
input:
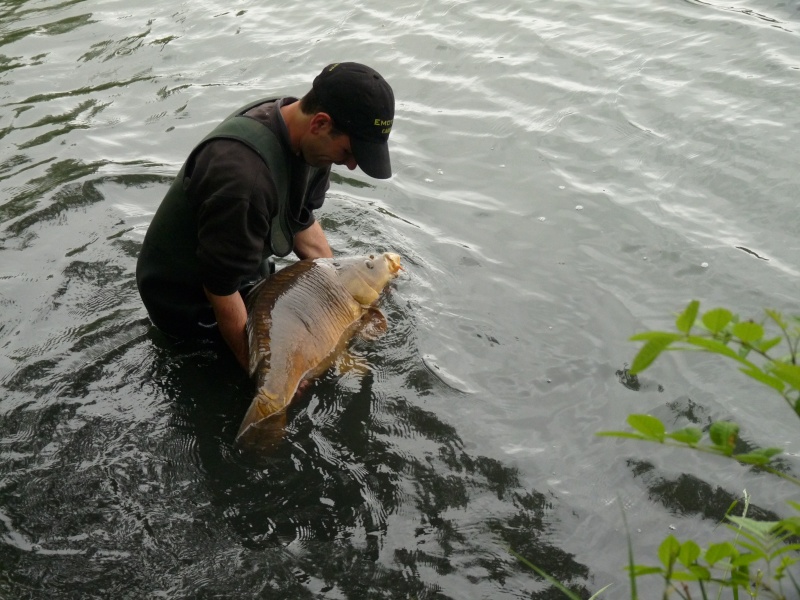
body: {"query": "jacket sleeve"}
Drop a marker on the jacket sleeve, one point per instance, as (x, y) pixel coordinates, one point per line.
(233, 192)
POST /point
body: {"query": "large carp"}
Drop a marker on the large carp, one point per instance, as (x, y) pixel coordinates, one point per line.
(298, 320)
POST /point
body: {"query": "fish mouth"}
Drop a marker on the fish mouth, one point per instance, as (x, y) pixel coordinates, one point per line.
(394, 262)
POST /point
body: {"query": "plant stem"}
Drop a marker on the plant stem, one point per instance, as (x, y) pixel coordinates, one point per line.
(794, 583)
(634, 595)
(703, 590)
(735, 539)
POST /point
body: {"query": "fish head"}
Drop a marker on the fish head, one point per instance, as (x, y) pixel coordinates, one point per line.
(366, 276)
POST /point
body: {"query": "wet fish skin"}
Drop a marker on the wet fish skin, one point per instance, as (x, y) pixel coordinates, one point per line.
(299, 320)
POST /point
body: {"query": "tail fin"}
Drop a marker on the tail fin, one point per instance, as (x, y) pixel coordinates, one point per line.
(263, 425)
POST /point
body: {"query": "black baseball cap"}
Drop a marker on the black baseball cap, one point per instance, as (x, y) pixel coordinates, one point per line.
(361, 104)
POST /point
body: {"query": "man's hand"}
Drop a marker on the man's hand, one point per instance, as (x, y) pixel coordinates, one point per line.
(312, 243)
(231, 317)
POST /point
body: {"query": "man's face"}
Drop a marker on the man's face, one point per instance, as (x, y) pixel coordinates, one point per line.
(324, 146)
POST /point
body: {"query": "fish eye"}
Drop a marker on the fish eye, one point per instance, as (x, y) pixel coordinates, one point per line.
(370, 264)
(337, 264)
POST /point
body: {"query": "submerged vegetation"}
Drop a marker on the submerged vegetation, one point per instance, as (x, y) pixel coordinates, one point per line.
(757, 559)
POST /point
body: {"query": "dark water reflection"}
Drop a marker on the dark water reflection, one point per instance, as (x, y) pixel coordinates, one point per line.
(119, 479)
(99, 507)
(322, 504)
(687, 495)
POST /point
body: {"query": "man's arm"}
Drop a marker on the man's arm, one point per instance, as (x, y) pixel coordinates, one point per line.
(230, 310)
(312, 243)
(231, 317)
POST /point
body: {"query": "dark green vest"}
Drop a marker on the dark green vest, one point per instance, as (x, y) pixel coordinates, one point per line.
(261, 140)
(167, 272)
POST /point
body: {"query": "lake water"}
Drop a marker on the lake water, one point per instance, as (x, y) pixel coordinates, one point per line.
(567, 174)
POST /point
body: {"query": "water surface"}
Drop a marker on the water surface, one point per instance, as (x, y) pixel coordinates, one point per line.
(567, 174)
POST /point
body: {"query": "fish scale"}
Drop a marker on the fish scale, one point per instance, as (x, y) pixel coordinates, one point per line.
(299, 319)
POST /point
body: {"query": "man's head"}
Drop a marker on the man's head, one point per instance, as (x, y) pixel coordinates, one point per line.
(361, 105)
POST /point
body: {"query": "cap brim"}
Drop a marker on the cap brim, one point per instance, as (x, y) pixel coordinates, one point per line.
(372, 157)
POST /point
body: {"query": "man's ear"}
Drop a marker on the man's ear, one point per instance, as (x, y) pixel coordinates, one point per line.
(320, 122)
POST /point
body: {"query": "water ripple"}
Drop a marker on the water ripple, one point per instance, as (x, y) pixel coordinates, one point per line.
(562, 174)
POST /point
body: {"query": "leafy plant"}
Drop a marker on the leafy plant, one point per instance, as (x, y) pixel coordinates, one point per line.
(756, 561)
(746, 343)
(722, 437)
(725, 334)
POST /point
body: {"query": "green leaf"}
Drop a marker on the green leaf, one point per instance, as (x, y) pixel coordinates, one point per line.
(791, 525)
(748, 331)
(695, 573)
(600, 591)
(687, 317)
(689, 553)
(668, 551)
(768, 345)
(788, 373)
(761, 529)
(777, 317)
(724, 434)
(622, 434)
(756, 546)
(751, 458)
(629, 544)
(639, 570)
(733, 505)
(646, 336)
(700, 572)
(759, 456)
(740, 577)
(793, 548)
(717, 552)
(762, 377)
(785, 563)
(715, 347)
(758, 527)
(769, 452)
(688, 435)
(648, 425)
(745, 559)
(650, 351)
(715, 320)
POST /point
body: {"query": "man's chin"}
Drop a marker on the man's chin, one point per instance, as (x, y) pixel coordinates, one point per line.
(318, 163)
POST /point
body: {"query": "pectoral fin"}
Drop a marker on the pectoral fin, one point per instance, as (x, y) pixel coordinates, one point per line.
(374, 324)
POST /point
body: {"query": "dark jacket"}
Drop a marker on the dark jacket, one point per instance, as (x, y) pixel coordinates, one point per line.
(241, 193)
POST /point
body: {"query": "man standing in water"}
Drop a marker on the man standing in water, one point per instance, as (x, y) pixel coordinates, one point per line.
(248, 192)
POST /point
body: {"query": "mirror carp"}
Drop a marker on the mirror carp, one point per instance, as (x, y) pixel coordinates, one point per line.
(299, 320)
